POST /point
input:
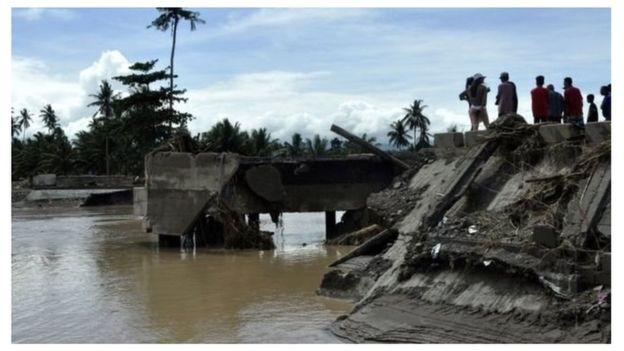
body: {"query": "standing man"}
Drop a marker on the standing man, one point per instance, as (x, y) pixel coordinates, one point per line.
(507, 97)
(592, 112)
(555, 104)
(539, 101)
(605, 106)
(573, 103)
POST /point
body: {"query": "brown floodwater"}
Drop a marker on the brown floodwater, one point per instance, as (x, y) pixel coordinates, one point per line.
(92, 276)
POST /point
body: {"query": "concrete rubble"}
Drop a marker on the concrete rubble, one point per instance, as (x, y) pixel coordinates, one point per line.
(505, 240)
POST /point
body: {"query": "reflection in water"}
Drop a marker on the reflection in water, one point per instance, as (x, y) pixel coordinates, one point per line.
(92, 275)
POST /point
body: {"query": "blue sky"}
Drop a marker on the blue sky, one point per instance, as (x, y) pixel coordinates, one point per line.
(304, 69)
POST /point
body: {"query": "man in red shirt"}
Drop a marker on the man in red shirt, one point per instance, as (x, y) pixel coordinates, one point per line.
(539, 101)
(572, 103)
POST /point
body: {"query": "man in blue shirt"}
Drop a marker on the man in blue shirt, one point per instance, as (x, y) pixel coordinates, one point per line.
(555, 104)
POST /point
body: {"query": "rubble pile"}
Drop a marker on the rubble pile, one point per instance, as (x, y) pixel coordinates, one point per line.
(505, 241)
(219, 226)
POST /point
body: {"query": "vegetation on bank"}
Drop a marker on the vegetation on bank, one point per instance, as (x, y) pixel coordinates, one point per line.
(126, 127)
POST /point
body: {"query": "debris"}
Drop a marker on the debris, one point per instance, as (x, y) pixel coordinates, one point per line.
(472, 229)
(371, 246)
(357, 237)
(545, 235)
(435, 251)
(368, 146)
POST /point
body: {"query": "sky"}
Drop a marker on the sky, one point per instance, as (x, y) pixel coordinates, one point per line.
(300, 70)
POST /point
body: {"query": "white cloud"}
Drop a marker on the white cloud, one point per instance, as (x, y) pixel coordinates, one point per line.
(111, 63)
(284, 103)
(444, 118)
(290, 17)
(281, 101)
(37, 13)
(34, 85)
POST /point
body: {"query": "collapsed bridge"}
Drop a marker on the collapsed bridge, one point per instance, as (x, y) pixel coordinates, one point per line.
(178, 186)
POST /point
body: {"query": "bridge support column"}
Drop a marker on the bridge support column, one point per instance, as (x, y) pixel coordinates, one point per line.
(330, 224)
(253, 220)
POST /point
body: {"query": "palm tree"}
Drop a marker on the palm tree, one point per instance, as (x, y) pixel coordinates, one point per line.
(295, 147)
(261, 143)
(335, 146)
(424, 139)
(169, 18)
(24, 122)
(104, 101)
(49, 118)
(15, 125)
(317, 146)
(398, 135)
(225, 137)
(415, 119)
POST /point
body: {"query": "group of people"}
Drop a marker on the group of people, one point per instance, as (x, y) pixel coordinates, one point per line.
(547, 104)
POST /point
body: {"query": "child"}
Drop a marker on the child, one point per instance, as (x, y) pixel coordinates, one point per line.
(592, 114)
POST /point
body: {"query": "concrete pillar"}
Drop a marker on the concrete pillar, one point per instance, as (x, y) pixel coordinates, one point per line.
(253, 220)
(330, 224)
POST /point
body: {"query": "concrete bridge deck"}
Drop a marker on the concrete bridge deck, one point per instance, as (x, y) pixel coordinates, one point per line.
(179, 185)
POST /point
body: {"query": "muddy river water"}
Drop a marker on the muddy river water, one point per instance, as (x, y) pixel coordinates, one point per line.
(92, 276)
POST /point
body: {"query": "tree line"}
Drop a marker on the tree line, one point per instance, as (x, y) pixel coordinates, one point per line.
(125, 128)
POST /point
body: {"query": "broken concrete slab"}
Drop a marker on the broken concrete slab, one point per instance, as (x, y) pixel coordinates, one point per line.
(93, 181)
(546, 235)
(473, 138)
(448, 140)
(179, 185)
(604, 224)
(44, 180)
(557, 133)
(266, 182)
(597, 132)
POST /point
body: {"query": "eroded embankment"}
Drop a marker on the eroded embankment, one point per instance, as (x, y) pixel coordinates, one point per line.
(505, 241)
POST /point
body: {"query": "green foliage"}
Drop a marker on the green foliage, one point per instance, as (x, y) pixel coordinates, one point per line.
(15, 125)
(317, 146)
(43, 153)
(24, 122)
(225, 137)
(169, 18)
(261, 144)
(49, 118)
(296, 146)
(398, 135)
(143, 119)
(416, 121)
